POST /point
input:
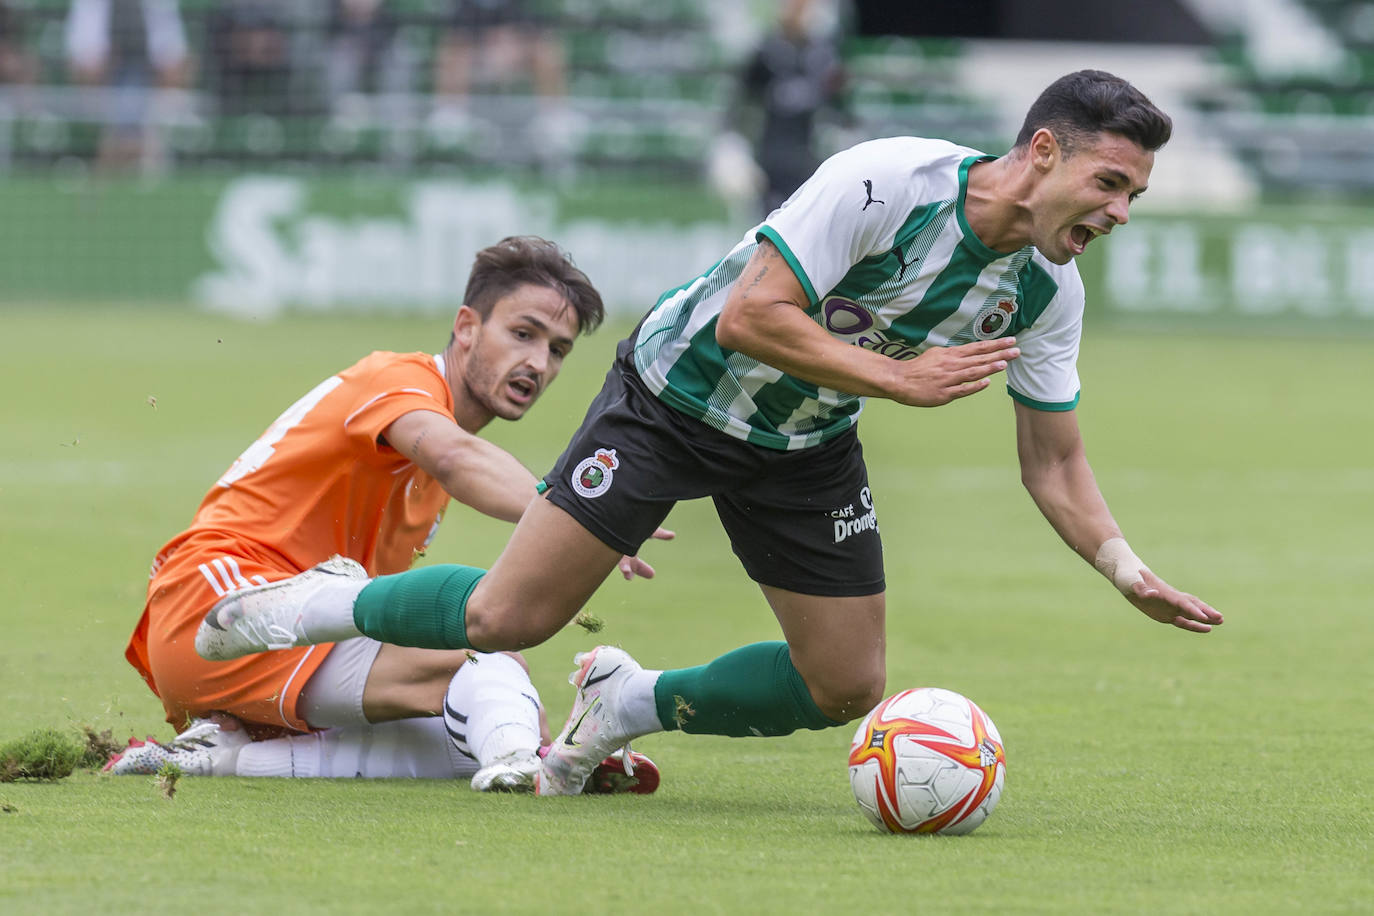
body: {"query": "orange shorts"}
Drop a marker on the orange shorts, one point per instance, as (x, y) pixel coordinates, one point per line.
(261, 689)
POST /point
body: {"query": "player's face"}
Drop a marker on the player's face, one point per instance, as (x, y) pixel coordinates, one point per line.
(517, 352)
(1087, 194)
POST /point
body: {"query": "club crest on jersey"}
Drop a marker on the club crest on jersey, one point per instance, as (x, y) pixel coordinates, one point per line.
(994, 320)
(593, 475)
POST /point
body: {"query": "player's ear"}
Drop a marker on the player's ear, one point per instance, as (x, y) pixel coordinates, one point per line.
(1044, 149)
(465, 327)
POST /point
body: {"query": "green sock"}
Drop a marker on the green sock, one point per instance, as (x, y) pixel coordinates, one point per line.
(754, 690)
(425, 608)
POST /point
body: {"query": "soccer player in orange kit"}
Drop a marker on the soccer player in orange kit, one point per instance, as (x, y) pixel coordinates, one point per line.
(361, 469)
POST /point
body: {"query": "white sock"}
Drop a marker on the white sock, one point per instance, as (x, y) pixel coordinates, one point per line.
(224, 755)
(405, 749)
(268, 758)
(491, 709)
(327, 615)
(638, 710)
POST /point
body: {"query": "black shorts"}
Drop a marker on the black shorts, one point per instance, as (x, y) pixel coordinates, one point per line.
(799, 520)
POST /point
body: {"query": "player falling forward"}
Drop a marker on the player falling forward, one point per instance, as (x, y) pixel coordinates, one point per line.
(908, 269)
(361, 468)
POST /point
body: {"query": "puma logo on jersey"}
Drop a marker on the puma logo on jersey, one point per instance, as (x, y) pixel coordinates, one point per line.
(868, 190)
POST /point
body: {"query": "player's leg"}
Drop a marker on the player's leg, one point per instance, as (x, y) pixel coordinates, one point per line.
(490, 710)
(417, 748)
(491, 718)
(838, 646)
(548, 570)
(369, 703)
(829, 671)
(805, 529)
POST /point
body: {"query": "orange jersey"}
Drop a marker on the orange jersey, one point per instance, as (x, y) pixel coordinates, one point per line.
(318, 482)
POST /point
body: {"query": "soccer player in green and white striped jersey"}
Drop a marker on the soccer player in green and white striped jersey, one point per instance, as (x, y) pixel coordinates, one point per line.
(907, 269)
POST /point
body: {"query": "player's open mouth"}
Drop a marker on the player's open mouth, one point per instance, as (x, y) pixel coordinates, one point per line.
(522, 389)
(1082, 234)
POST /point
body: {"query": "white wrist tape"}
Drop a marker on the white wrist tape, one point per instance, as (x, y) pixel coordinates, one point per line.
(1118, 562)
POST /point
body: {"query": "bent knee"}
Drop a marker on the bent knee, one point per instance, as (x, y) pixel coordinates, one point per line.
(504, 628)
(850, 698)
(496, 622)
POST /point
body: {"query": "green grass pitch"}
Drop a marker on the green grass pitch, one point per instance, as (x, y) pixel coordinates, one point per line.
(1150, 770)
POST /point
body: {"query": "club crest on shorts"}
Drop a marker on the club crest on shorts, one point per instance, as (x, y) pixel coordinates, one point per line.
(593, 475)
(994, 319)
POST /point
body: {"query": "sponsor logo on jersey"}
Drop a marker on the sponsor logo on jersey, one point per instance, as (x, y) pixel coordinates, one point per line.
(593, 475)
(847, 319)
(994, 320)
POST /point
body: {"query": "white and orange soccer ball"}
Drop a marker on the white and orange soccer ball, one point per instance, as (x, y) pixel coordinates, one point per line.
(927, 760)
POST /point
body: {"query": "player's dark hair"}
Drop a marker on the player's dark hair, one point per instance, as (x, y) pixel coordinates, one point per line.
(1088, 102)
(521, 260)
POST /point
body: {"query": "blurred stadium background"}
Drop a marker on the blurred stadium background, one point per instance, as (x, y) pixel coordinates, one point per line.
(251, 156)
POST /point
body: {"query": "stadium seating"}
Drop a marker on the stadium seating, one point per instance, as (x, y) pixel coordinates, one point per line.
(647, 88)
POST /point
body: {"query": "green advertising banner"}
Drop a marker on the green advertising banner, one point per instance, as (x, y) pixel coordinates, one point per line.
(1266, 267)
(253, 245)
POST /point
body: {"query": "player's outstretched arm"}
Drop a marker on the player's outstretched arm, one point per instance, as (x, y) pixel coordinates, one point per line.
(765, 318)
(1055, 470)
(472, 470)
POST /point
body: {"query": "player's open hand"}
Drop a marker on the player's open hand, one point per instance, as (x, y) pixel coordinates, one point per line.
(943, 374)
(1160, 601)
(634, 566)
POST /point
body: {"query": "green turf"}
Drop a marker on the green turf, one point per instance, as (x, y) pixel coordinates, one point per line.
(1150, 771)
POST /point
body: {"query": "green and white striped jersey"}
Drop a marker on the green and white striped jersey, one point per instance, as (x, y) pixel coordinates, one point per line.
(879, 241)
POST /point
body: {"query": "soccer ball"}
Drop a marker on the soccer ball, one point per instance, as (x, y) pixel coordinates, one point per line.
(927, 761)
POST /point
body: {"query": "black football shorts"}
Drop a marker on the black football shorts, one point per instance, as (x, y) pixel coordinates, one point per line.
(799, 520)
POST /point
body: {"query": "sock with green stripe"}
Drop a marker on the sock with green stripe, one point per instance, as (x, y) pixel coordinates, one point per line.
(425, 608)
(754, 690)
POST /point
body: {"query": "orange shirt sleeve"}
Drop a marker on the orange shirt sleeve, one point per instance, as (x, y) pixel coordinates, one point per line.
(401, 386)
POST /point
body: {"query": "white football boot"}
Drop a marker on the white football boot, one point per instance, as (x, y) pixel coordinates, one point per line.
(264, 617)
(618, 773)
(512, 773)
(593, 730)
(204, 749)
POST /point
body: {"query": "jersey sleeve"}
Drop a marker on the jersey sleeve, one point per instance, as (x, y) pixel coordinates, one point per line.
(849, 209)
(1045, 376)
(388, 391)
